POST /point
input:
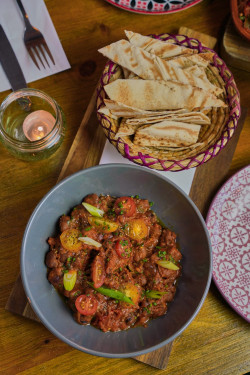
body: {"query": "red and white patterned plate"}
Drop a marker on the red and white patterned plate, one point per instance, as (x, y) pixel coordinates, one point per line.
(153, 6)
(228, 223)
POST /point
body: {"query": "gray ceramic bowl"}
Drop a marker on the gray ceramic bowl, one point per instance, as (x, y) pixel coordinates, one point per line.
(172, 206)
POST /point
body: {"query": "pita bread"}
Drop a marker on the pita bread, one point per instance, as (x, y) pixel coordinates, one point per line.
(167, 133)
(189, 117)
(167, 50)
(159, 95)
(117, 109)
(184, 62)
(163, 49)
(152, 67)
(105, 111)
(126, 129)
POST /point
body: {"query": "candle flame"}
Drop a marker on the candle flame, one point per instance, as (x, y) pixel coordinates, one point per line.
(38, 124)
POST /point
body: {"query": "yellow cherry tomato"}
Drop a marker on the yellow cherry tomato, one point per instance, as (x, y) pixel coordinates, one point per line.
(137, 229)
(69, 239)
(102, 225)
(131, 291)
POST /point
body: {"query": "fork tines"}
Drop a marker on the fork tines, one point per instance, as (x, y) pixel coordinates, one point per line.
(38, 50)
(34, 40)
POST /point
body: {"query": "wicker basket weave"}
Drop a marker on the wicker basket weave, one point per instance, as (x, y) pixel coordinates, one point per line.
(224, 120)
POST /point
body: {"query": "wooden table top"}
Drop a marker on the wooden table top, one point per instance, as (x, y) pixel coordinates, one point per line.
(217, 341)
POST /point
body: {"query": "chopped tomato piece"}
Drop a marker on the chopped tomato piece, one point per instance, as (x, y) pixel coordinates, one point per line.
(123, 248)
(86, 304)
(69, 239)
(137, 229)
(125, 206)
(103, 225)
(98, 271)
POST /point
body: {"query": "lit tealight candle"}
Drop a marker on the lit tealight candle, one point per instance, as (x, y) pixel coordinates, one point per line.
(38, 124)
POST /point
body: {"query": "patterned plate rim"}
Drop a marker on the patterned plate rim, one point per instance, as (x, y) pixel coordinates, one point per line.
(155, 13)
(207, 220)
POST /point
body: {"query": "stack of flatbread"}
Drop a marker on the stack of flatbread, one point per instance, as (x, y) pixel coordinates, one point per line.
(165, 100)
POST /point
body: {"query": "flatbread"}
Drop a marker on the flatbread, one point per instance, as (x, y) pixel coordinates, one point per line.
(151, 67)
(186, 61)
(167, 49)
(163, 49)
(167, 133)
(118, 109)
(126, 129)
(159, 95)
(189, 117)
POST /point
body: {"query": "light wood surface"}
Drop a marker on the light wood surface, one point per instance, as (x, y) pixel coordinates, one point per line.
(217, 341)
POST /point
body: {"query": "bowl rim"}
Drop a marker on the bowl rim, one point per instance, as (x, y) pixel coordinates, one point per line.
(47, 323)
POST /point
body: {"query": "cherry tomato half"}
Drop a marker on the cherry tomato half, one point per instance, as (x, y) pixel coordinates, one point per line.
(102, 225)
(69, 239)
(86, 304)
(137, 229)
(123, 248)
(125, 206)
(98, 271)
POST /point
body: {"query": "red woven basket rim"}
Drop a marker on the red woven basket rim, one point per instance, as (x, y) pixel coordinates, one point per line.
(233, 102)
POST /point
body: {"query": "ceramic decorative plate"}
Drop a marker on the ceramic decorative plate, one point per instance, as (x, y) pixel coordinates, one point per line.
(228, 223)
(153, 6)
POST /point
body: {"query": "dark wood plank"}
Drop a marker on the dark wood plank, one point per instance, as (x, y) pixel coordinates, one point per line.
(158, 358)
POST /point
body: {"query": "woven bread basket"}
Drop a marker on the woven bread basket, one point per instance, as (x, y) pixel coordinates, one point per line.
(212, 138)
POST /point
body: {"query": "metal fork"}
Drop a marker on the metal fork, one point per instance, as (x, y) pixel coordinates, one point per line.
(34, 40)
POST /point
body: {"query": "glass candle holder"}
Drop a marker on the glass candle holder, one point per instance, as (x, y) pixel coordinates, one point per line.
(32, 124)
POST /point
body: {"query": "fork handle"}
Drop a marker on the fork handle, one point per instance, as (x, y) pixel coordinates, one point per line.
(24, 14)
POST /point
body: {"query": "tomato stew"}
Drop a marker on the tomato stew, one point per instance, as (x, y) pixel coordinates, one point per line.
(108, 262)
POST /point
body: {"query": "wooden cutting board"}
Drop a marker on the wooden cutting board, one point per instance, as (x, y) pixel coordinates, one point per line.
(86, 151)
(235, 50)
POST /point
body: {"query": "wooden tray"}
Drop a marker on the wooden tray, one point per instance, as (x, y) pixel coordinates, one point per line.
(235, 50)
(86, 151)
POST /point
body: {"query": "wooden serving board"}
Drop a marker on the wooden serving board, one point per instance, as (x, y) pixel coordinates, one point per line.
(86, 151)
(235, 50)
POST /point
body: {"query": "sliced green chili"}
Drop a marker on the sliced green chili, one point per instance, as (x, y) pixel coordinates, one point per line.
(94, 211)
(167, 264)
(154, 294)
(112, 293)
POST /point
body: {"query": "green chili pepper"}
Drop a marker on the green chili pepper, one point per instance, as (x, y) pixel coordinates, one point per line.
(94, 211)
(167, 264)
(154, 294)
(116, 294)
(69, 280)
